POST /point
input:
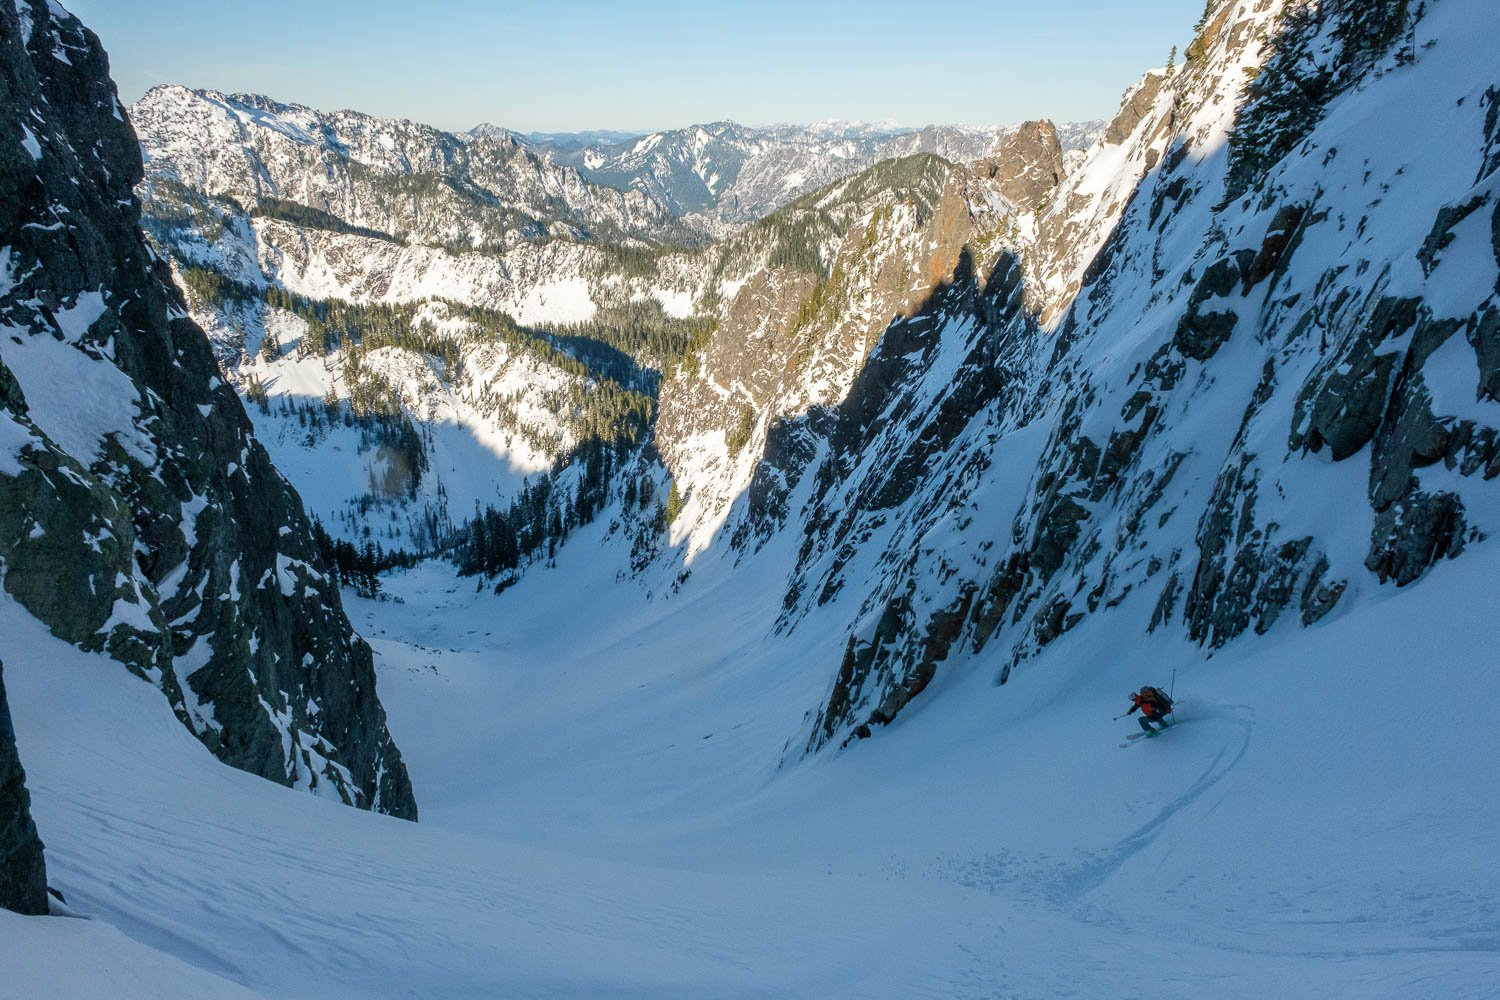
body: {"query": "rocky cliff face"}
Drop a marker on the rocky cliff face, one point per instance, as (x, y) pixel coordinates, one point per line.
(1235, 372)
(1027, 166)
(798, 329)
(139, 515)
(23, 873)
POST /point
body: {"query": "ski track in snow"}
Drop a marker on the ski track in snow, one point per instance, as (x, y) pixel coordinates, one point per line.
(605, 812)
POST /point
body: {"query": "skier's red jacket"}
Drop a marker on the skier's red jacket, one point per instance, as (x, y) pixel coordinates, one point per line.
(1148, 705)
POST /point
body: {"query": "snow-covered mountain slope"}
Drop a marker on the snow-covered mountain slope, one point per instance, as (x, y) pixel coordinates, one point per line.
(734, 174)
(1240, 374)
(139, 514)
(550, 281)
(416, 416)
(603, 814)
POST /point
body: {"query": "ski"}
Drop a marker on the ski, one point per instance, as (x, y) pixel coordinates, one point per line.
(1135, 737)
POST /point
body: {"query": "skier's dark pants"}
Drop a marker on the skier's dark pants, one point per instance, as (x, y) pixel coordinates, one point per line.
(1160, 720)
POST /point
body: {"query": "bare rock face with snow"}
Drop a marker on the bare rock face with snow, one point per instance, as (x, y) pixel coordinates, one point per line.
(1028, 165)
(139, 515)
(800, 326)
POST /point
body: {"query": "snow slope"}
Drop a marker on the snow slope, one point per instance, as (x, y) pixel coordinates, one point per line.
(604, 813)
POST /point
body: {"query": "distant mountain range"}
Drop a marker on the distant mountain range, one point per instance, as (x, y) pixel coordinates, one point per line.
(491, 186)
(733, 174)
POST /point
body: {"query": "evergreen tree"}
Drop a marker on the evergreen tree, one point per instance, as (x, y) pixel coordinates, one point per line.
(674, 503)
(270, 347)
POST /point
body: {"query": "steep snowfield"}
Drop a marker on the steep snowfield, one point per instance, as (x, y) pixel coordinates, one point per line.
(1273, 394)
(604, 814)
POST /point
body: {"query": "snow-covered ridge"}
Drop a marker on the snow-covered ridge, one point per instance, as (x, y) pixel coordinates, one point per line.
(550, 283)
(717, 175)
(486, 191)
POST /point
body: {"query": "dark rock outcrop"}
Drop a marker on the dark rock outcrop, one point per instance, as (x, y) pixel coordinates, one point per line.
(1136, 106)
(23, 873)
(138, 514)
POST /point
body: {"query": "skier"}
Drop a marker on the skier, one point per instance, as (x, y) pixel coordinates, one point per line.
(1154, 706)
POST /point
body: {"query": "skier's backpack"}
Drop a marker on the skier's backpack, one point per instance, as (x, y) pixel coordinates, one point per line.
(1157, 695)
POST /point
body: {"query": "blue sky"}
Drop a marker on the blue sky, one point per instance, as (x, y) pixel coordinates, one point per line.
(652, 64)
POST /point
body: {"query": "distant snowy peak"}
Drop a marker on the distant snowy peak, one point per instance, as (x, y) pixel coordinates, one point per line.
(1079, 136)
(841, 128)
(577, 140)
(488, 131)
(396, 144)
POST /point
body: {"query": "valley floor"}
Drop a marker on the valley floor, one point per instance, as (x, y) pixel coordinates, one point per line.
(613, 805)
